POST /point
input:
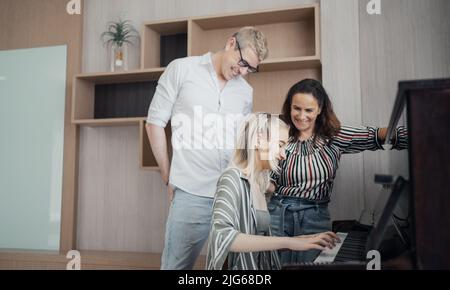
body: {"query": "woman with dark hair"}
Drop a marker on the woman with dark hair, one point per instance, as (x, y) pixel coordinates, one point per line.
(304, 184)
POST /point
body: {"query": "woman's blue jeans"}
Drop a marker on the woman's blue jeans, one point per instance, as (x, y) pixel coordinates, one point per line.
(294, 216)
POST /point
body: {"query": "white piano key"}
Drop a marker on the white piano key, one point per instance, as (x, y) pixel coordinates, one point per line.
(328, 255)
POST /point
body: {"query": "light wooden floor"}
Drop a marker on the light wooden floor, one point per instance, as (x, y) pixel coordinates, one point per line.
(90, 260)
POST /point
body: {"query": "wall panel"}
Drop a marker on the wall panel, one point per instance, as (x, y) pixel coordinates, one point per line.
(30, 23)
(409, 40)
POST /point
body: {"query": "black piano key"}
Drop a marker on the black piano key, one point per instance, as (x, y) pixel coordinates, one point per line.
(347, 258)
(353, 246)
(349, 253)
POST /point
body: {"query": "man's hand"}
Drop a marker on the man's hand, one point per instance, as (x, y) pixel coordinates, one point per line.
(170, 192)
(158, 143)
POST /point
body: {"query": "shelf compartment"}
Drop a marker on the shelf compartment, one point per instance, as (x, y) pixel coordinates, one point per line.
(163, 42)
(113, 98)
(290, 33)
(270, 88)
(123, 100)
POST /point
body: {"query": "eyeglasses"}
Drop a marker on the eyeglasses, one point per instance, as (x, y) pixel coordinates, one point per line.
(243, 63)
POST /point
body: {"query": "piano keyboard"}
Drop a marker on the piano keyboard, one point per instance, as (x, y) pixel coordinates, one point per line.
(351, 248)
(328, 255)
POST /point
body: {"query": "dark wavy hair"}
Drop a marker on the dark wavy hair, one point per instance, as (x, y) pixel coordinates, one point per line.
(327, 124)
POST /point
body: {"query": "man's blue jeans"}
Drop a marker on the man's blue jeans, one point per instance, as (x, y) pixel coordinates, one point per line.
(187, 228)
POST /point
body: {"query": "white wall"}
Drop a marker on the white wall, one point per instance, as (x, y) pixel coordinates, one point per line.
(409, 40)
(341, 78)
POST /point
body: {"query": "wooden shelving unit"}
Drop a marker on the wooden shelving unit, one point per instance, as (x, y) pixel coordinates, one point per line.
(294, 42)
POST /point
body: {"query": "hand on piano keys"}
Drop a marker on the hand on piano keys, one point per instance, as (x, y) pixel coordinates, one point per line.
(351, 248)
(321, 241)
(328, 255)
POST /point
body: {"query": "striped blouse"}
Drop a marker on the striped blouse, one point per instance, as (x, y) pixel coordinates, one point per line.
(310, 167)
(234, 213)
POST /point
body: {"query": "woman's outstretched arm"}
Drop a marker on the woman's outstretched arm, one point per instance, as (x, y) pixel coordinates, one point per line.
(400, 139)
(255, 243)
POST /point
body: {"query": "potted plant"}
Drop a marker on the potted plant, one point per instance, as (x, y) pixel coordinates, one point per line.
(118, 35)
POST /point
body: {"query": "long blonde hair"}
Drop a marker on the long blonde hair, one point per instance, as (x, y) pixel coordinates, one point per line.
(256, 127)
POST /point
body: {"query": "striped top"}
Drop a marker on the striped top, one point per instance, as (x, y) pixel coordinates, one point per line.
(234, 213)
(310, 167)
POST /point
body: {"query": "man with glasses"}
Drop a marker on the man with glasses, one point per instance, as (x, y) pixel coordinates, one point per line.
(190, 89)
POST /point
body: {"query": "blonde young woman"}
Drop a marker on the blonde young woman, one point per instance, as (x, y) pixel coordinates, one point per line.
(241, 222)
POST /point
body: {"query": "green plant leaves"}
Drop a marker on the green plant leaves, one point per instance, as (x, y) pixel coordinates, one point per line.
(119, 32)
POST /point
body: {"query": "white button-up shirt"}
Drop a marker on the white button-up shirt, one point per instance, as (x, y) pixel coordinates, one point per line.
(204, 119)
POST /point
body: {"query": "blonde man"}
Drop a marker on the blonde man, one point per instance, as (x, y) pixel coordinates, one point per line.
(190, 89)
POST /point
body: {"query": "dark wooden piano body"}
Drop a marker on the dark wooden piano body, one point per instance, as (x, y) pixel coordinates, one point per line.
(428, 113)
